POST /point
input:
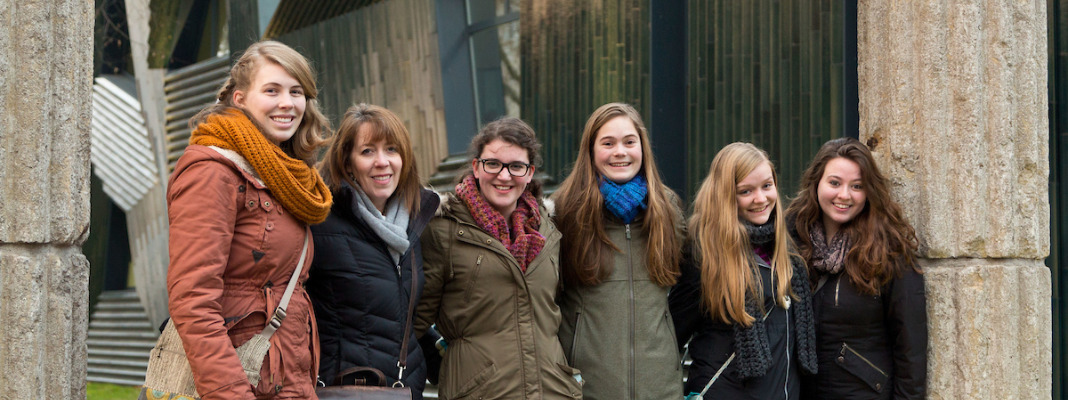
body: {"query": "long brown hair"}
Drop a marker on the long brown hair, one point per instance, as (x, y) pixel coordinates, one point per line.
(313, 125)
(382, 124)
(587, 252)
(721, 242)
(883, 242)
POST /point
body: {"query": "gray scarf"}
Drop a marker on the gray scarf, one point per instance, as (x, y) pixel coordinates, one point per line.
(392, 227)
(828, 256)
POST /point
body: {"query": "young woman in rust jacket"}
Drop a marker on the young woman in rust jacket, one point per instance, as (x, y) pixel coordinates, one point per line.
(239, 203)
(869, 303)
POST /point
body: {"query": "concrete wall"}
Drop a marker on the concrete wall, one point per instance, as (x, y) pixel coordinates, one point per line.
(953, 103)
(45, 99)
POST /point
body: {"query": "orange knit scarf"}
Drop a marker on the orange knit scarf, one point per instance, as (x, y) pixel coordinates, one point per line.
(297, 186)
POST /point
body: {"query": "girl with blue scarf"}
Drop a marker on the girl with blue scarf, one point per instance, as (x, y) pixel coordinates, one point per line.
(623, 235)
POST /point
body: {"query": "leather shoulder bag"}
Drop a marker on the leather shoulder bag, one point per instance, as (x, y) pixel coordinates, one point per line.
(169, 375)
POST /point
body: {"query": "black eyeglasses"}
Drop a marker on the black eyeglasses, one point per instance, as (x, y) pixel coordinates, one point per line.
(494, 166)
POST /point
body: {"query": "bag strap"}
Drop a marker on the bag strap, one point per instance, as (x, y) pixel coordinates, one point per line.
(280, 312)
(402, 360)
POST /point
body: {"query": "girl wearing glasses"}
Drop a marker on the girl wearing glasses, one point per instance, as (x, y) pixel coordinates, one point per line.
(744, 298)
(625, 233)
(491, 266)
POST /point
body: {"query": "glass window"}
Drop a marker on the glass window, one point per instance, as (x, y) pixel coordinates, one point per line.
(493, 26)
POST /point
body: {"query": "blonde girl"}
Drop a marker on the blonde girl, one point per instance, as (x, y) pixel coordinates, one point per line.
(743, 300)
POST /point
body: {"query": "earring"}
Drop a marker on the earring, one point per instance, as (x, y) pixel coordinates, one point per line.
(352, 177)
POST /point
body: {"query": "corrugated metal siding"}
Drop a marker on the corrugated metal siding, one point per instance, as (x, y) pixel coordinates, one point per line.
(296, 14)
(120, 151)
(187, 91)
(577, 56)
(767, 72)
(385, 54)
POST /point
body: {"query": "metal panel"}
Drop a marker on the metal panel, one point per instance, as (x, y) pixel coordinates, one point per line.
(187, 91)
(384, 54)
(119, 148)
(767, 72)
(576, 57)
(292, 15)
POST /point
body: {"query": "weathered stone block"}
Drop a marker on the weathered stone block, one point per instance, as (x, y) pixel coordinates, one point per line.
(953, 103)
(988, 329)
(45, 94)
(44, 307)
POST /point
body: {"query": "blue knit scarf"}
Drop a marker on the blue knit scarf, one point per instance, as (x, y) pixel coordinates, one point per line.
(625, 200)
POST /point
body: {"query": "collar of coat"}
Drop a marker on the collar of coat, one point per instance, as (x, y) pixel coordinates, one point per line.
(450, 204)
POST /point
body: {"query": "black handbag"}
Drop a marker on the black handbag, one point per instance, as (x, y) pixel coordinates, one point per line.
(370, 383)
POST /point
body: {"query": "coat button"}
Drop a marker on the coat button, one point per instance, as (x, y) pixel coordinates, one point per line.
(461, 232)
(270, 226)
(878, 386)
(841, 359)
(267, 203)
(241, 188)
(252, 203)
(489, 241)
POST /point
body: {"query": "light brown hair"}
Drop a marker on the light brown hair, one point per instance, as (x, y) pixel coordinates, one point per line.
(883, 242)
(587, 254)
(381, 124)
(721, 241)
(313, 125)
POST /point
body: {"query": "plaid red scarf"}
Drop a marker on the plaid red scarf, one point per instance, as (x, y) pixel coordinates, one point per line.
(521, 237)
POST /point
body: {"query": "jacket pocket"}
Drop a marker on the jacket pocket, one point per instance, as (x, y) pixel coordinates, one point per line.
(471, 283)
(862, 368)
(571, 378)
(473, 385)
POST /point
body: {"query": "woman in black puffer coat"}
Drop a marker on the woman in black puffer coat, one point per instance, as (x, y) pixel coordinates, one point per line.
(869, 302)
(361, 278)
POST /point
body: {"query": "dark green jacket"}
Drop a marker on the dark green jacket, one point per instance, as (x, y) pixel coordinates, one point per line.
(500, 323)
(620, 332)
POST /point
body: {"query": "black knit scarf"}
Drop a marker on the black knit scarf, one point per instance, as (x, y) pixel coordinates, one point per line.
(751, 343)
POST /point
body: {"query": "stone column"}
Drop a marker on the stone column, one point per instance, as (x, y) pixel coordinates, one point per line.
(953, 103)
(45, 107)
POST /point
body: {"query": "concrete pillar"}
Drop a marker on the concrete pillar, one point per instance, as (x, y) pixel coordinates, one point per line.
(953, 103)
(45, 108)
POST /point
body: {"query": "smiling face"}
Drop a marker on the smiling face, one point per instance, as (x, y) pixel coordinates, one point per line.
(376, 167)
(757, 195)
(275, 100)
(502, 190)
(617, 150)
(840, 194)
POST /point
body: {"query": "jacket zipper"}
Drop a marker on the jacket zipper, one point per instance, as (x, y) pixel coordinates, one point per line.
(574, 337)
(846, 347)
(630, 279)
(474, 279)
(837, 284)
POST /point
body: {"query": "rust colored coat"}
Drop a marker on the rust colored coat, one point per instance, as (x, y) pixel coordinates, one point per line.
(232, 251)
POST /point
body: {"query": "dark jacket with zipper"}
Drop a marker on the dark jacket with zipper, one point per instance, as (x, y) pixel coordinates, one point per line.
(361, 297)
(713, 341)
(619, 332)
(869, 346)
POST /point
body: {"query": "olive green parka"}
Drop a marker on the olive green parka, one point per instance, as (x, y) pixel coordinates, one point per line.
(620, 332)
(500, 323)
